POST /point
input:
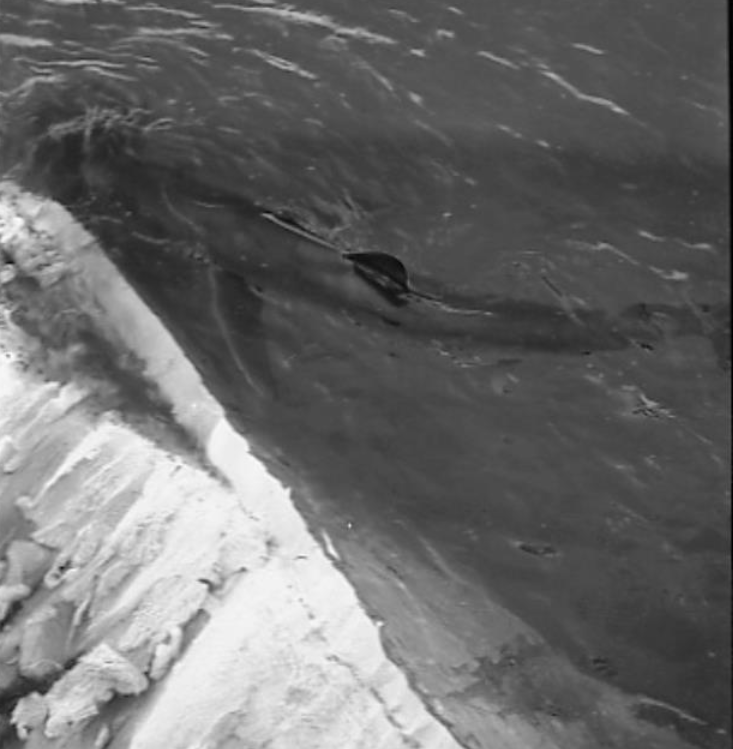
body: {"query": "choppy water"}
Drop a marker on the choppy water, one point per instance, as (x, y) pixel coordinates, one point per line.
(566, 154)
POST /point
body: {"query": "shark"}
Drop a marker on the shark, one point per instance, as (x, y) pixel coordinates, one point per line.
(171, 229)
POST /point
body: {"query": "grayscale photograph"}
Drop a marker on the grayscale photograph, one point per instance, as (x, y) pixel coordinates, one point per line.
(365, 374)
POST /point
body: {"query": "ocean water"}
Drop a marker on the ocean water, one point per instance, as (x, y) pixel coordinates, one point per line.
(545, 422)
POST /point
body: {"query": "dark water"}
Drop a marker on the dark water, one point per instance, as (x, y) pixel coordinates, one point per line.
(564, 162)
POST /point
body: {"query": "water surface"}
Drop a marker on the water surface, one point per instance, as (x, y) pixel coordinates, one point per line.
(568, 155)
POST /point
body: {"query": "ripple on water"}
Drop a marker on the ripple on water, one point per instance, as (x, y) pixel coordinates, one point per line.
(28, 42)
(307, 18)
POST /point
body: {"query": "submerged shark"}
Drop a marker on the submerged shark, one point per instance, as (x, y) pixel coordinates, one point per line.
(162, 223)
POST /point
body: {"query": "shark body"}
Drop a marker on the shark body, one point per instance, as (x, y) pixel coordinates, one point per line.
(158, 220)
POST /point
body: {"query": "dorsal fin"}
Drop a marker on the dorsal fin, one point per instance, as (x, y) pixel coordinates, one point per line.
(382, 268)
